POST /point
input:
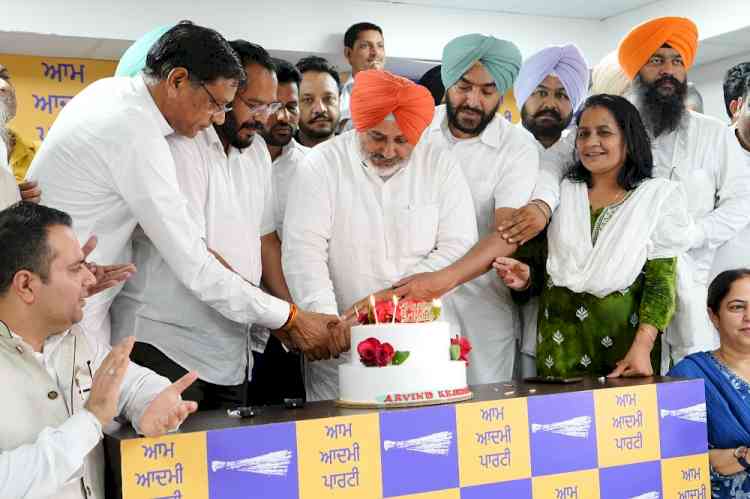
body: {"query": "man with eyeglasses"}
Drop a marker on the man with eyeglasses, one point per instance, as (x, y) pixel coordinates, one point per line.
(276, 372)
(225, 174)
(108, 163)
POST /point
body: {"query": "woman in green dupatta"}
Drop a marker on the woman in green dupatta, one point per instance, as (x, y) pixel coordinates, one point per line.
(605, 269)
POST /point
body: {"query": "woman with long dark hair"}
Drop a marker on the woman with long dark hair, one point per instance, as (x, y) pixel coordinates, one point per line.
(605, 269)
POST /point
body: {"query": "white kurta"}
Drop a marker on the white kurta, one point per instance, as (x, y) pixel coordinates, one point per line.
(704, 155)
(283, 171)
(107, 163)
(501, 167)
(230, 197)
(354, 234)
(9, 192)
(734, 253)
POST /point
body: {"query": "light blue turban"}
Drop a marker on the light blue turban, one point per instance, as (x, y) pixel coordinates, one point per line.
(501, 58)
(133, 60)
(566, 62)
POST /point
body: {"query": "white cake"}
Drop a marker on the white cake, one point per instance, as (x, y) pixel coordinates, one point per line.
(427, 376)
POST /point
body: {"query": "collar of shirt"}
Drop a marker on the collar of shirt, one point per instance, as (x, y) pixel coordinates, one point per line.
(490, 136)
(50, 345)
(149, 105)
(287, 150)
(347, 87)
(211, 139)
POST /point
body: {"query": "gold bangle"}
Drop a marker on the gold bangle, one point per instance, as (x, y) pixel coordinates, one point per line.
(289, 324)
(544, 212)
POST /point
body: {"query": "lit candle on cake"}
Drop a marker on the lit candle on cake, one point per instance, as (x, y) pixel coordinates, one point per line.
(372, 308)
(395, 308)
(437, 306)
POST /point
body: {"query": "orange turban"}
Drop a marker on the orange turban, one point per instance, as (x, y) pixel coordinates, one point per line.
(377, 93)
(640, 44)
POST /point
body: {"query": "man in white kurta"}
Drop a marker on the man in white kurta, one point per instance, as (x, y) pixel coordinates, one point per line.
(500, 161)
(703, 155)
(106, 161)
(374, 206)
(735, 253)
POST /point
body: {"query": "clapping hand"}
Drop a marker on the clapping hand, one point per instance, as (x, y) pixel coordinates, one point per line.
(30, 191)
(167, 411)
(107, 381)
(107, 276)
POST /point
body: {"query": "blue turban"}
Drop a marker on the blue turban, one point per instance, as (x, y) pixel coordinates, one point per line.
(501, 58)
(133, 60)
(566, 62)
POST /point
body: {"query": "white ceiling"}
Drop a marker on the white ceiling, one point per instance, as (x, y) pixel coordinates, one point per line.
(579, 9)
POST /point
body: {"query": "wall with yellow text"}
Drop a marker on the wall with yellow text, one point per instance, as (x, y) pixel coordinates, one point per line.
(45, 84)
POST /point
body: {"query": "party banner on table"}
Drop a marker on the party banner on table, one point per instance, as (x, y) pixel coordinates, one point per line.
(644, 442)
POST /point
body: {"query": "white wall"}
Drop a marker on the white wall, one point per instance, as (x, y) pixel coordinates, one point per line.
(708, 79)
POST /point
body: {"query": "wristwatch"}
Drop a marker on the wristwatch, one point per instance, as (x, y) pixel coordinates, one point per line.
(741, 454)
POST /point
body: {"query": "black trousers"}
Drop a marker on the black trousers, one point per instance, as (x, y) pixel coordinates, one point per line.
(277, 374)
(208, 395)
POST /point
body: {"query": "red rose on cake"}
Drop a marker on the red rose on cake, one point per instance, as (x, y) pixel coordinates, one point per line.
(367, 351)
(384, 354)
(373, 353)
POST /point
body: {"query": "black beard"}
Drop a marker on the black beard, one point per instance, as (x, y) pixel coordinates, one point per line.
(229, 131)
(552, 131)
(271, 140)
(661, 113)
(453, 118)
(317, 134)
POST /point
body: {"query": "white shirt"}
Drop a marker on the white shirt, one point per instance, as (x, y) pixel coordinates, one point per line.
(284, 169)
(734, 253)
(4, 154)
(9, 192)
(52, 462)
(230, 197)
(107, 163)
(703, 154)
(345, 100)
(501, 167)
(355, 234)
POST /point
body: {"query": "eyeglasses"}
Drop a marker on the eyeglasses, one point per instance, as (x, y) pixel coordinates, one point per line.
(262, 109)
(218, 109)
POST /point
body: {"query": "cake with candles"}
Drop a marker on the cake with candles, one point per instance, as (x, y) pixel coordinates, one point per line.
(403, 355)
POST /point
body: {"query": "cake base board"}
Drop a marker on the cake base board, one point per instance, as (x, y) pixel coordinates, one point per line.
(395, 405)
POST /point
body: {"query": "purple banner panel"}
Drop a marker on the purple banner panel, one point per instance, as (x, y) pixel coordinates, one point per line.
(563, 433)
(418, 450)
(682, 418)
(632, 480)
(257, 461)
(517, 489)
